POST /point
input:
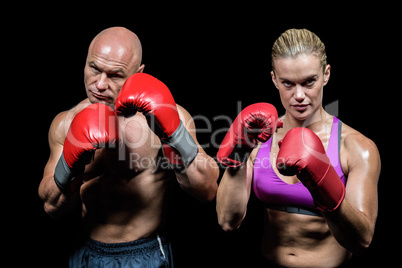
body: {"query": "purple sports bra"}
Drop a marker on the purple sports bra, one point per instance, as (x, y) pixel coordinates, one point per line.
(274, 192)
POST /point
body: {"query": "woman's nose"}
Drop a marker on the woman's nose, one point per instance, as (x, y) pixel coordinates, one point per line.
(299, 94)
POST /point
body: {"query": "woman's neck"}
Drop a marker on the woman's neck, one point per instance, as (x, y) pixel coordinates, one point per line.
(315, 122)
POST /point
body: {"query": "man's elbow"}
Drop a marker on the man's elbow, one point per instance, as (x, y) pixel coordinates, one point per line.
(54, 204)
(52, 210)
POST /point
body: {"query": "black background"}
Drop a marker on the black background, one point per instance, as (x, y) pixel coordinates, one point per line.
(213, 58)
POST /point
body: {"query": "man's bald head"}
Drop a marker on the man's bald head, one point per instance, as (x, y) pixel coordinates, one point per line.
(120, 44)
(113, 56)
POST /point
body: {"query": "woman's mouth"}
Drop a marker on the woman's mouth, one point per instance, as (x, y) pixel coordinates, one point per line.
(300, 107)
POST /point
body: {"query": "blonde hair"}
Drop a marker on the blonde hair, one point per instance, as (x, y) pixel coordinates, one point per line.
(298, 41)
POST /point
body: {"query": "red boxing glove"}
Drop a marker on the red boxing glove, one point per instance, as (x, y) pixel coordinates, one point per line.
(256, 122)
(144, 93)
(94, 127)
(302, 153)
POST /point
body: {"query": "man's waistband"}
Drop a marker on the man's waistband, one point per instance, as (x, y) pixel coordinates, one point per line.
(127, 248)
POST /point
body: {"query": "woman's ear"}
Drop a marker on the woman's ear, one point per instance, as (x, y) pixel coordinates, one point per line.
(327, 74)
(273, 79)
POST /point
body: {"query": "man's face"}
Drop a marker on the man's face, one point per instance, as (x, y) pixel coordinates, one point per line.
(106, 69)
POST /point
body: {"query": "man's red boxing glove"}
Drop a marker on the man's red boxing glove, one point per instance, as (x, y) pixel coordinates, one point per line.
(144, 93)
(256, 122)
(301, 153)
(94, 127)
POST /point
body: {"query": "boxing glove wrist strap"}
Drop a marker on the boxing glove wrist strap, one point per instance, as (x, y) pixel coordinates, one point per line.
(184, 144)
(63, 175)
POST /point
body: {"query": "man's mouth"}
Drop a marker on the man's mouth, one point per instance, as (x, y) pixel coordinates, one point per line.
(99, 96)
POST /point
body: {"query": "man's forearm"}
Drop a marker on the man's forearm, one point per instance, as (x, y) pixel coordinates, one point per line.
(200, 178)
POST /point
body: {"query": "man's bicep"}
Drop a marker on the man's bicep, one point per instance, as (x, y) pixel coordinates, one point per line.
(56, 138)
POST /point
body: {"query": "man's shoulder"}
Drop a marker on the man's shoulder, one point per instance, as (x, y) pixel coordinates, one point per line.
(62, 121)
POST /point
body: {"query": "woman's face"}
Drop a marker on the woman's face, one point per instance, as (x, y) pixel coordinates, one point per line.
(300, 81)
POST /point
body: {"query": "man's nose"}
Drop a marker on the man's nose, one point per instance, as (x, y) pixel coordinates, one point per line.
(102, 85)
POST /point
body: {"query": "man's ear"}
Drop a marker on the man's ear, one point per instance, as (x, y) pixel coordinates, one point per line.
(141, 68)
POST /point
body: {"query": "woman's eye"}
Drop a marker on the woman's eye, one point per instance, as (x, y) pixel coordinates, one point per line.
(309, 82)
(286, 83)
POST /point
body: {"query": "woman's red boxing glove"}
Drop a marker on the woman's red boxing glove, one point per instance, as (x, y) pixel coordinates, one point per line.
(256, 122)
(301, 153)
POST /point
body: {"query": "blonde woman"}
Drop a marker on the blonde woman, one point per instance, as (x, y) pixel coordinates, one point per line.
(319, 184)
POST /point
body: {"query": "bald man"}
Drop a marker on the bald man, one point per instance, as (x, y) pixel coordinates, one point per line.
(122, 192)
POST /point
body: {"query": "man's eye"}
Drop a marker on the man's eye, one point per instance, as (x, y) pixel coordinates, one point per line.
(95, 69)
(114, 75)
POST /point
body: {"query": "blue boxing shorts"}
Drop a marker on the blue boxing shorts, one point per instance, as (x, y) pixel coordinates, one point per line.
(147, 252)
